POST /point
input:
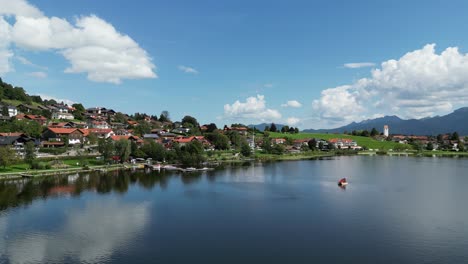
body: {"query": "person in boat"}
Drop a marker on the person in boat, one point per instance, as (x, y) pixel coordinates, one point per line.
(342, 181)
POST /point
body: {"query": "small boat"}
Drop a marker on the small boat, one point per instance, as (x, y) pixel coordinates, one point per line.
(170, 167)
(190, 169)
(342, 182)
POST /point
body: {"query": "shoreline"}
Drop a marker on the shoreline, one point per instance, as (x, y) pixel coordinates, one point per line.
(259, 157)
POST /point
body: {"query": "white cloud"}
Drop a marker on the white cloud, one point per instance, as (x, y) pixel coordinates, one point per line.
(19, 8)
(92, 45)
(27, 62)
(48, 97)
(292, 121)
(355, 65)
(187, 69)
(5, 53)
(292, 103)
(268, 85)
(39, 74)
(252, 108)
(419, 84)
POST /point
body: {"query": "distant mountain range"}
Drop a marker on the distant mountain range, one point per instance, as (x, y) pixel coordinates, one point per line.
(456, 121)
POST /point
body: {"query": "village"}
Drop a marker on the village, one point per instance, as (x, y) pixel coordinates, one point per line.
(58, 129)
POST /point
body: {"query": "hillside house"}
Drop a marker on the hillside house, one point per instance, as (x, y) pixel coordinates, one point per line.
(343, 143)
(36, 118)
(16, 141)
(58, 135)
(102, 133)
(10, 110)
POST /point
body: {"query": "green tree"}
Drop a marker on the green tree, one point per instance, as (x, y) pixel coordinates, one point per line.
(79, 107)
(365, 133)
(296, 130)
(273, 127)
(30, 128)
(211, 128)
(191, 154)
(164, 116)
(154, 150)
(92, 139)
(5, 111)
(106, 148)
(29, 153)
(246, 151)
(219, 140)
(7, 156)
(461, 146)
(429, 146)
(312, 144)
(189, 121)
(142, 128)
(122, 149)
(374, 132)
(266, 145)
(455, 136)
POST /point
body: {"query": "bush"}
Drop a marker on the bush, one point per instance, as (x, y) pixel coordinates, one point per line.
(54, 151)
(40, 165)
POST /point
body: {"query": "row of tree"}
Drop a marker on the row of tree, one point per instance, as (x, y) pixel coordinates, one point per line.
(284, 129)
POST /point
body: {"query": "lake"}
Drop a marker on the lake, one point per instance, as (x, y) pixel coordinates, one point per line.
(394, 210)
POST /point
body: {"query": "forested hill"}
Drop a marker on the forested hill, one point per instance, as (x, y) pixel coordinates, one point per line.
(8, 92)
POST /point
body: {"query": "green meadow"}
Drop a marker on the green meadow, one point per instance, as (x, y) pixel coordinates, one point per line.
(368, 142)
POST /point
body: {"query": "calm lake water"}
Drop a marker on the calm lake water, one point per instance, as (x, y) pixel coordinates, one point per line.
(395, 210)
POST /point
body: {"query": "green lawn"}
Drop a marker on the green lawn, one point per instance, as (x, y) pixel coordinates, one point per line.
(16, 102)
(361, 141)
(14, 168)
(69, 163)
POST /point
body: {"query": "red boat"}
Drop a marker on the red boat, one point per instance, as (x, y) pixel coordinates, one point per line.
(342, 182)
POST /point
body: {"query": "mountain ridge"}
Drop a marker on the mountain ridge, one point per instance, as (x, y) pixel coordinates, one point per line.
(455, 121)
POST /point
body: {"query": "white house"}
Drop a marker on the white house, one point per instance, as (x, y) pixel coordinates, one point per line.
(12, 111)
(62, 115)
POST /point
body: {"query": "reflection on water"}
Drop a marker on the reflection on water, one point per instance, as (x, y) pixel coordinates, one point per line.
(394, 210)
(88, 234)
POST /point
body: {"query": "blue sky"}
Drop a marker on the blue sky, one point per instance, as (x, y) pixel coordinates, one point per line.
(311, 64)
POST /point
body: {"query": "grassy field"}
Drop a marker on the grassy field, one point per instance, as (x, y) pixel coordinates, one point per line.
(69, 163)
(16, 102)
(361, 141)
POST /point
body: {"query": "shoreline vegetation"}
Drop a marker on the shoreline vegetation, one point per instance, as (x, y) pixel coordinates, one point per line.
(71, 165)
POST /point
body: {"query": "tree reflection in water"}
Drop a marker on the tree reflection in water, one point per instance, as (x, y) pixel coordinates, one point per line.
(21, 192)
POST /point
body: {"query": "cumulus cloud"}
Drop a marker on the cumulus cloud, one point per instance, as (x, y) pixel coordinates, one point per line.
(5, 53)
(27, 62)
(49, 97)
(252, 108)
(419, 84)
(187, 69)
(19, 8)
(356, 65)
(292, 121)
(91, 45)
(292, 103)
(38, 74)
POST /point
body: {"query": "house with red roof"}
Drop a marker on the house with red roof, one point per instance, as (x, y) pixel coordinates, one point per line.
(58, 135)
(37, 118)
(102, 133)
